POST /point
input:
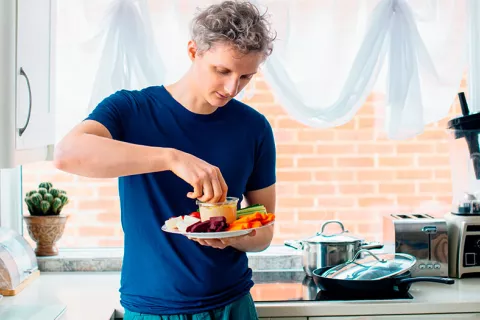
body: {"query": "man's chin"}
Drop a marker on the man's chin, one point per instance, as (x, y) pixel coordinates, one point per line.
(218, 103)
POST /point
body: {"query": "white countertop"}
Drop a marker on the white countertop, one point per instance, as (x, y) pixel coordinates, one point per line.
(95, 296)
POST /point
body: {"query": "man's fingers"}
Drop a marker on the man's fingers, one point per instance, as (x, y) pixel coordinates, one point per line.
(197, 191)
(223, 184)
(207, 191)
(218, 195)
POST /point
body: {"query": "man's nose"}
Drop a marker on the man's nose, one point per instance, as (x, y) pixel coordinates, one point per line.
(232, 87)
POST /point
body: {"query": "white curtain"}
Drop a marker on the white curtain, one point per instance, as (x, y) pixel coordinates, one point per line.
(333, 52)
(329, 55)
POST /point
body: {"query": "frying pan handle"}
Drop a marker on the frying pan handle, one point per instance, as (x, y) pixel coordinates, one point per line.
(427, 279)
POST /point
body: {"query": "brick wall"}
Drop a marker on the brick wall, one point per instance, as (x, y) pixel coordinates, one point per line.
(351, 173)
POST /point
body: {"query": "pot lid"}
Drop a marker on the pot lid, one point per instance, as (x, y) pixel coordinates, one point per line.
(373, 267)
(342, 237)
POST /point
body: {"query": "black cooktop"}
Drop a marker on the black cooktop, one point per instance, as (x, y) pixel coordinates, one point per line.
(306, 290)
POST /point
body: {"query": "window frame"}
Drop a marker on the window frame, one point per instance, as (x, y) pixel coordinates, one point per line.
(11, 209)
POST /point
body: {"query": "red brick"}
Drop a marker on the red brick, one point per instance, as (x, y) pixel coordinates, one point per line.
(316, 189)
(285, 189)
(352, 215)
(296, 202)
(271, 110)
(397, 188)
(334, 175)
(261, 97)
(285, 136)
(384, 161)
(372, 147)
(305, 135)
(284, 123)
(375, 201)
(108, 191)
(438, 161)
(433, 135)
(285, 162)
(357, 188)
(335, 202)
(354, 135)
(375, 175)
(315, 215)
(442, 174)
(332, 149)
(99, 204)
(314, 162)
(294, 176)
(413, 174)
(110, 242)
(366, 122)
(442, 147)
(96, 231)
(109, 217)
(350, 125)
(413, 201)
(355, 161)
(295, 149)
(415, 147)
(437, 187)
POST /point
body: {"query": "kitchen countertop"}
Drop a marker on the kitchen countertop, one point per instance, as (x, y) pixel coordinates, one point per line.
(94, 295)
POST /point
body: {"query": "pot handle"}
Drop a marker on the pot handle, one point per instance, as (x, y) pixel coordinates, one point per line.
(371, 245)
(298, 245)
(331, 235)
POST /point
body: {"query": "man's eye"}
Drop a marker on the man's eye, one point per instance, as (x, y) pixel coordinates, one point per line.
(248, 77)
(222, 71)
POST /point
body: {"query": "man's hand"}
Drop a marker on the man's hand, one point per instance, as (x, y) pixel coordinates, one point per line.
(207, 180)
(224, 242)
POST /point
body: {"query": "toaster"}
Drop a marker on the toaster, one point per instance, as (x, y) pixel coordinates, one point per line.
(422, 236)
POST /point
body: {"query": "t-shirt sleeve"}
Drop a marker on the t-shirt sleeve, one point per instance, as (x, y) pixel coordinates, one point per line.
(111, 112)
(264, 169)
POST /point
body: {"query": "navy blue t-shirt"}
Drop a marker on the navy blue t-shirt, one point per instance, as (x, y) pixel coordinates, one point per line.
(164, 273)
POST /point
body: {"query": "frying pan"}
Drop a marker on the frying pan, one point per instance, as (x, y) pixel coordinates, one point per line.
(384, 273)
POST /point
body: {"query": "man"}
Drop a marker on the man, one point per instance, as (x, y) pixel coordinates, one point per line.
(172, 145)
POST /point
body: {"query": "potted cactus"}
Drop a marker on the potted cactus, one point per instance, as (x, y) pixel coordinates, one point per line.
(46, 224)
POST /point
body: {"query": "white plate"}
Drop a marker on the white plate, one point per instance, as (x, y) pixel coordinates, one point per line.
(216, 235)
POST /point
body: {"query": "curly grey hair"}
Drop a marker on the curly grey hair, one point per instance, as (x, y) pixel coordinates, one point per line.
(238, 23)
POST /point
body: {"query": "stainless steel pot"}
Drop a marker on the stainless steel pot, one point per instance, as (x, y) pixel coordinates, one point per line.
(324, 251)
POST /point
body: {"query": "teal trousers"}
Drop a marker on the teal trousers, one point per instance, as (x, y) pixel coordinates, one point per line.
(242, 309)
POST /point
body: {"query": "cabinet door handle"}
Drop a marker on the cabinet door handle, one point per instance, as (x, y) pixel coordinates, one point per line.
(22, 130)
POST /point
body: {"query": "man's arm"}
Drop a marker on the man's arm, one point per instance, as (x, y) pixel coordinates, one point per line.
(89, 150)
(263, 237)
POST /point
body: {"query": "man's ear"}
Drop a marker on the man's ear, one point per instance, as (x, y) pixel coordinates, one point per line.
(192, 50)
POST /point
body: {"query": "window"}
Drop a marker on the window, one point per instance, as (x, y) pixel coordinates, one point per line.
(349, 173)
(10, 193)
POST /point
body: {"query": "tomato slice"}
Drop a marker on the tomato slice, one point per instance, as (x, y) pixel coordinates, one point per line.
(195, 214)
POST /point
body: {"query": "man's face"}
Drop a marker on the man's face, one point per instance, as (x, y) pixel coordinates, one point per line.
(222, 72)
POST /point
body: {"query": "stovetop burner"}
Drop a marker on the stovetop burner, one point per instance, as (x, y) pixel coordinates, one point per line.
(328, 296)
(306, 290)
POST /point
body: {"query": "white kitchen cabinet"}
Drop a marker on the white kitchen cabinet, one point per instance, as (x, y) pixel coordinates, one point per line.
(27, 113)
(444, 316)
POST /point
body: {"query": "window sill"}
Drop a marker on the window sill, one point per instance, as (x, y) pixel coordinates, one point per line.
(110, 259)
